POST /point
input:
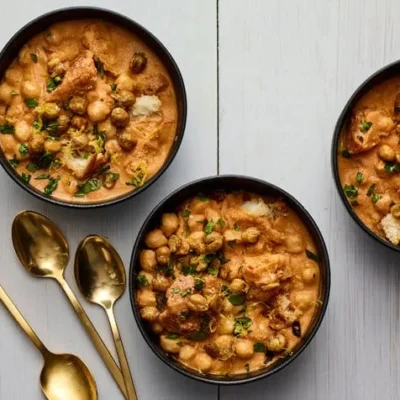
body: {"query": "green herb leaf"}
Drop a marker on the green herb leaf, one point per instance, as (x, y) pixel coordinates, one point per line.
(312, 256)
(52, 83)
(185, 213)
(45, 160)
(223, 260)
(221, 222)
(51, 186)
(34, 58)
(186, 292)
(259, 347)
(188, 270)
(391, 167)
(14, 93)
(198, 283)
(7, 129)
(209, 227)
(99, 67)
(14, 162)
(371, 189)
(37, 125)
(365, 126)
(346, 153)
(359, 177)
(43, 176)
(51, 128)
(225, 290)
(198, 335)
(173, 336)
(25, 177)
(213, 271)
(350, 191)
(23, 149)
(32, 167)
(232, 244)
(143, 280)
(376, 197)
(31, 103)
(175, 290)
(161, 301)
(113, 87)
(236, 227)
(237, 299)
(208, 258)
(241, 326)
(89, 186)
(201, 197)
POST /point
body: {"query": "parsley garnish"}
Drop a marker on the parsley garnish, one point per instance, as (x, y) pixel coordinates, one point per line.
(312, 256)
(90, 185)
(186, 292)
(359, 177)
(175, 290)
(236, 227)
(237, 299)
(391, 167)
(143, 280)
(221, 222)
(371, 189)
(188, 270)
(23, 149)
(173, 336)
(34, 58)
(198, 283)
(32, 167)
(14, 162)
(185, 213)
(113, 87)
(25, 177)
(365, 126)
(31, 103)
(52, 83)
(51, 186)
(99, 67)
(43, 176)
(241, 325)
(213, 271)
(376, 197)
(209, 227)
(351, 191)
(7, 129)
(259, 347)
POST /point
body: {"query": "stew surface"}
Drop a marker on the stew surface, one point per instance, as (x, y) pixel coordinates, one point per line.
(87, 112)
(230, 283)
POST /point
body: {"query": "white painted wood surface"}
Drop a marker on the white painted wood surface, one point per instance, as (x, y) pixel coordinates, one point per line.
(286, 69)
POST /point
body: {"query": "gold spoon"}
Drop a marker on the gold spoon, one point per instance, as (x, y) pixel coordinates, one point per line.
(64, 376)
(100, 275)
(43, 251)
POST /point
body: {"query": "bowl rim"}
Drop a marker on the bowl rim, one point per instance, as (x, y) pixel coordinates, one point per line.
(178, 82)
(341, 121)
(326, 284)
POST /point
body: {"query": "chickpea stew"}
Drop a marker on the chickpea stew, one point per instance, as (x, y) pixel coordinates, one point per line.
(369, 160)
(88, 112)
(229, 283)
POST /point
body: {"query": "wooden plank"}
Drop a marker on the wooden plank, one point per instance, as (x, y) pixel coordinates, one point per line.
(286, 70)
(180, 25)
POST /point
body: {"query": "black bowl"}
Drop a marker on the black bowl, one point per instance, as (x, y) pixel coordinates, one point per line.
(228, 183)
(40, 24)
(383, 74)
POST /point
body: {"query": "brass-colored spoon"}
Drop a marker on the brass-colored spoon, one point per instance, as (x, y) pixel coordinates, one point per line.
(100, 275)
(43, 251)
(64, 376)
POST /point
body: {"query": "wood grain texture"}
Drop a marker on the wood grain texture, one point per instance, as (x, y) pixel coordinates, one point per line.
(286, 70)
(180, 25)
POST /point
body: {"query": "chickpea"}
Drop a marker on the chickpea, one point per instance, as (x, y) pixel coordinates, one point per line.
(226, 325)
(203, 362)
(5, 93)
(187, 352)
(124, 98)
(23, 131)
(13, 76)
(126, 141)
(112, 146)
(303, 300)
(119, 117)
(146, 298)
(251, 235)
(294, 243)
(383, 204)
(198, 303)
(276, 343)
(170, 345)
(125, 82)
(163, 255)
(51, 111)
(79, 122)
(30, 90)
(199, 263)
(56, 67)
(174, 242)
(380, 169)
(138, 63)
(155, 239)
(196, 242)
(78, 105)
(169, 223)
(224, 345)
(161, 283)
(199, 206)
(395, 210)
(98, 111)
(148, 260)
(36, 143)
(79, 141)
(214, 242)
(157, 328)
(238, 286)
(149, 313)
(386, 153)
(108, 127)
(309, 275)
(63, 123)
(184, 249)
(148, 277)
(52, 146)
(196, 223)
(216, 302)
(244, 348)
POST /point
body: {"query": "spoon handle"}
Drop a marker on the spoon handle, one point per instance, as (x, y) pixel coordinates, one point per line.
(96, 339)
(121, 355)
(13, 310)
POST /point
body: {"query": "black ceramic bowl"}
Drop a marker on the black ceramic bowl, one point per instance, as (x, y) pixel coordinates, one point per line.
(383, 74)
(228, 183)
(12, 48)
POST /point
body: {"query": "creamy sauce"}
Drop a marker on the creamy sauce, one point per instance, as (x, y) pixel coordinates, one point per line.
(229, 283)
(96, 156)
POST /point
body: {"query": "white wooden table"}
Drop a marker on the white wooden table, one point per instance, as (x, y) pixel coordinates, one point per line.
(266, 80)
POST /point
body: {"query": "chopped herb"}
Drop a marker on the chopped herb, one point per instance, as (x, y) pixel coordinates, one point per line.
(247, 367)
(223, 260)
(51, 128)
(350, 191)
(25, 177)
(7, 129)
(365, 126)
(14, 162)
(173, 336)
(184, 314)
(175, 290)
(241, 325)
(37, 125)
(34, 58)
(14, 93)
(213, 271)
(198, 335)
(232, 244)
(209, 227)
(23, 149)
(371, 189)
(225, 290)
(391, 167)
(376, 197)
(208, 258)
(161, 301)
(259, 347)
(237, 299)
(359, 177)
(167, 270)
(43, 176)
(198, 283)
(186, 292)
(221, 222)
(185, 213)
(51, 186)
(55, 164)
(354, 203)
(188, 270)
(296, 329)
(45, 160)
(143, 280)
(138, 181)
(236, 227)
(201, 197)
(113, 87)
(52, 83)
(32, 167)
(31, 103)
(99, 67)
(90, 185)
(312, 256)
